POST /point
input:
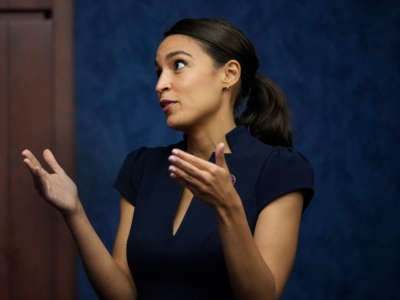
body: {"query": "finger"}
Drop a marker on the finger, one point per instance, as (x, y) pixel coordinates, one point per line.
(220, 156)
(35, 170)
(186, 184)
(30, 167)
(187, 167)
(179, 175)
(200, 163)
(37, 179)
(51, 160)
(28, 154)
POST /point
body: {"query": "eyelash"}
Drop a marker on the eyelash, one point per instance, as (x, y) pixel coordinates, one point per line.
(158, 72)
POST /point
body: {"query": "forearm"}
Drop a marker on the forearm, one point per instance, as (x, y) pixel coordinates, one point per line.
(106, 277)
(250, 276)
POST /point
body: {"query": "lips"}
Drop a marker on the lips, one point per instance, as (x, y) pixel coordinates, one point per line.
(165, 102)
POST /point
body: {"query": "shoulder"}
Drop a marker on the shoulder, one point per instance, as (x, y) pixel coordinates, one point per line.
(287, 158)
(283, 170)
(279, 154)
(287, 164)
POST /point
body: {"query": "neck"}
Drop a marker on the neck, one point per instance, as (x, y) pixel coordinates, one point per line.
(202, 141)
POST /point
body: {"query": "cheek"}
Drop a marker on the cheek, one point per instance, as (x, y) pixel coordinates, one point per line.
(199, 97)
(201, 93)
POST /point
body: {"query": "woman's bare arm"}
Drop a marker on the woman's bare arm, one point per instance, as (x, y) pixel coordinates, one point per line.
(259, 266)
(120, 244)
(108, 276)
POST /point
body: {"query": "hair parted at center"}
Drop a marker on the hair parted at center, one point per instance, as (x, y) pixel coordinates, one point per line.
(267, 112)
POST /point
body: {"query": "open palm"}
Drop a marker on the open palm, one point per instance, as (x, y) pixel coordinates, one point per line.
(57, 188)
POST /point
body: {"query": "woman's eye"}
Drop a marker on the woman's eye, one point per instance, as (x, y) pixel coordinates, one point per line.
(178, 63)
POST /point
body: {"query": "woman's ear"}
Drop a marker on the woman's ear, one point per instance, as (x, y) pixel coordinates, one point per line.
(231, 73)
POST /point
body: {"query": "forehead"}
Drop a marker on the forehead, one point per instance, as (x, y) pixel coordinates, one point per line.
(178, 42)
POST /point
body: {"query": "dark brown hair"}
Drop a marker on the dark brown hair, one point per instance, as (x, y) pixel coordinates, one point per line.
(267, 112)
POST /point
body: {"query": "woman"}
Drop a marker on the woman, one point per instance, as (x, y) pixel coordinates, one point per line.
(216, 215)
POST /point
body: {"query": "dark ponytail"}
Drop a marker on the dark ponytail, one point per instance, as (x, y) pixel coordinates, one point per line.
(267, 112)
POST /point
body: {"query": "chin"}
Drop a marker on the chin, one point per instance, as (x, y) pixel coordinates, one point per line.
(178, 124)
(174, 124)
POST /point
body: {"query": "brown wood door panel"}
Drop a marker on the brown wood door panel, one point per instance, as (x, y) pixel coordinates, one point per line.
(37, 253)
(31, 220)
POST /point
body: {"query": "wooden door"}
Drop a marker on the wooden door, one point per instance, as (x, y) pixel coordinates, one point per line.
(37, 254)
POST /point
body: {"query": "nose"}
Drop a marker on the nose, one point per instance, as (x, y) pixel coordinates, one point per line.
(163, 83)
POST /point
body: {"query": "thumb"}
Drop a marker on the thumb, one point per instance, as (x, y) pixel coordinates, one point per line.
(220, 156)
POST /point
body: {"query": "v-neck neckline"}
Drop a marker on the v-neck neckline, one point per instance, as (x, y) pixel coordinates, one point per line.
(193, 202)
(233, 139)
(184, 216)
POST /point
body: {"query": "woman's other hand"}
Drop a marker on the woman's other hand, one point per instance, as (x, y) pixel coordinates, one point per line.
(57, 188)
(210, 182)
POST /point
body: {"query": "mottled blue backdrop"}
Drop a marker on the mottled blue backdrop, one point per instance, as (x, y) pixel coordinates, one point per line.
(338, 63)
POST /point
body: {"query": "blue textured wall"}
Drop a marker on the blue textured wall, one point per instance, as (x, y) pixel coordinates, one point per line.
(338, 63)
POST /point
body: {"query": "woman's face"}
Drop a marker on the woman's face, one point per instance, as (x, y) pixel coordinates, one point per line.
(186, 74)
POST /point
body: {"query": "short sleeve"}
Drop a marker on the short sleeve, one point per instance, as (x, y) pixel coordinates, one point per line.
(285, 170)
(130, 174)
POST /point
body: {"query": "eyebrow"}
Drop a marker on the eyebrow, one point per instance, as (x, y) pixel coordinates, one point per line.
(171, 54)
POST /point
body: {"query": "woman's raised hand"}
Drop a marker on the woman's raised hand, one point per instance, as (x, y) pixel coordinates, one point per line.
(57, 188)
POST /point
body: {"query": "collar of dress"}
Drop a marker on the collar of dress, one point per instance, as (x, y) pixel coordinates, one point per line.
(235, 138)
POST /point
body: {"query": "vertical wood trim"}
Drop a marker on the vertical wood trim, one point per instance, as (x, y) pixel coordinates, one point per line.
(31, 219)
(3, 161)
(64, 133)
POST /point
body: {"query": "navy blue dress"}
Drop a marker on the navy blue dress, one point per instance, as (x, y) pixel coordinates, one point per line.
(190, 265)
